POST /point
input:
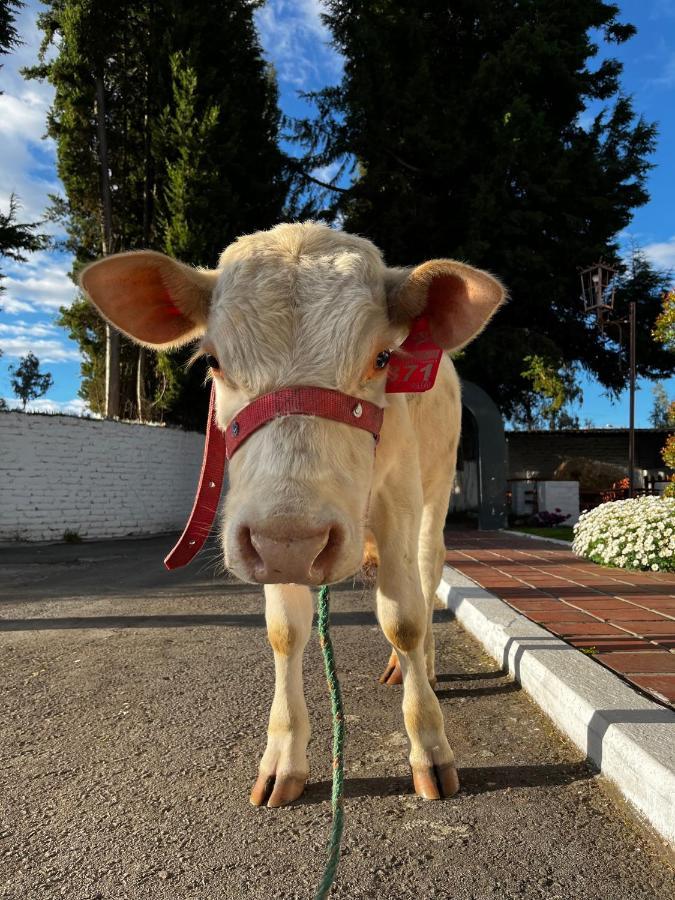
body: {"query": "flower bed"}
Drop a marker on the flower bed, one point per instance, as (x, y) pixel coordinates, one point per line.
(630, 534)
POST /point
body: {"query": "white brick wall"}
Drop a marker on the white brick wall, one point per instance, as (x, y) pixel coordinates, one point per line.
(100, 479)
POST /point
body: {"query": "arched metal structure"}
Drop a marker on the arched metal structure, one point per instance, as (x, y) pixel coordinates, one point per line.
(492, 463)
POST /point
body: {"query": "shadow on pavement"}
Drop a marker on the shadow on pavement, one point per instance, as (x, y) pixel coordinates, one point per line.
(509, 687)
(473, 780)
(186, 620)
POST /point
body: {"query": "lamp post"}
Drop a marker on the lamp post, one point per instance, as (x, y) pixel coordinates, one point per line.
(598, 287)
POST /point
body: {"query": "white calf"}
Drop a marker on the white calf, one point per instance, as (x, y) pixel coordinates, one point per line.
(304, 304)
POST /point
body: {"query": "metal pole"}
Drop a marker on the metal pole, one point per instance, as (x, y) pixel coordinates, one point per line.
(631, 424)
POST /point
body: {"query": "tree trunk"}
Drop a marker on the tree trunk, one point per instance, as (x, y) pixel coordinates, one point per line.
(148, 191)
(112, 336)
(140, 384)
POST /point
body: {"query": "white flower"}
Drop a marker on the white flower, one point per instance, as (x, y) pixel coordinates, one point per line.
(633, 533)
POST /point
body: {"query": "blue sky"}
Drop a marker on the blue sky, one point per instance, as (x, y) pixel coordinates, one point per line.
(297, 43)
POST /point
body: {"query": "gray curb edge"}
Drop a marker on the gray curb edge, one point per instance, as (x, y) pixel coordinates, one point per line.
(629, 738)
(537, 537)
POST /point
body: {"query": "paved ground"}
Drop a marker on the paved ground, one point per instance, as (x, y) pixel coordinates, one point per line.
(134, 710)
(625, 620)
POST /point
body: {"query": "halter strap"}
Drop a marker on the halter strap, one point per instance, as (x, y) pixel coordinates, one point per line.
(414, 368)
(219, 446)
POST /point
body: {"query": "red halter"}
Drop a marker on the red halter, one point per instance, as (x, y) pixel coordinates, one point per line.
(414, 367)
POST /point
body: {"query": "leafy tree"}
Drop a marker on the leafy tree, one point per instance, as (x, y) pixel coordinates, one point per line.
(191, 123)
(553, 389)
(664, 327)
(486, 131)
(28, 382)
(668, 455)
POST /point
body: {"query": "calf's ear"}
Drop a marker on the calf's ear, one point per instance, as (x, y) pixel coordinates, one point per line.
(151, 298)
(458, 300)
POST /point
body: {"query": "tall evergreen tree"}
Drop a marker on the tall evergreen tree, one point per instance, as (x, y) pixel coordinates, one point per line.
(465, 126)
(16, 238)
(191, 123)
(9, 36)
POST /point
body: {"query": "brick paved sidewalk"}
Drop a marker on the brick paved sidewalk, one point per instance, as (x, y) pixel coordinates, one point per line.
(625, 620)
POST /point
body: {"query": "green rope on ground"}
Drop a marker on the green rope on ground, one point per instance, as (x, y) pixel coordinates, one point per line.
(337, 796)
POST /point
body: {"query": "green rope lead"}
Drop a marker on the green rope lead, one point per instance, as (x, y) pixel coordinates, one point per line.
(337, 797)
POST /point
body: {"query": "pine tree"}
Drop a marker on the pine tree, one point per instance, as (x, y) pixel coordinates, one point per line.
(660, 415)
(9, 36)
(192, 123)
(463, 125)
(16, 238)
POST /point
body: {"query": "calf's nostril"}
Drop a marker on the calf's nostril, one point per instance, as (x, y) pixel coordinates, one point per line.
(324, 561)
(246, 547)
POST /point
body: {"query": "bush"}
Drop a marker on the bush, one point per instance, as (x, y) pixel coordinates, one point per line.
(668, 454)
(631, 534)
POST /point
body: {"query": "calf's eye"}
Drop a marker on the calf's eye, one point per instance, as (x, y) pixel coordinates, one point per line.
(382, 359)
(212, 362)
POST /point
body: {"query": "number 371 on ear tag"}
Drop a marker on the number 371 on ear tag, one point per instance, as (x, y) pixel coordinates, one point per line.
(413, 367)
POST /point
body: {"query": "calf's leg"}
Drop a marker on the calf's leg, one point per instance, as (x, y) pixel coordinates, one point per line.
(284, 767)
(432, 557)
(402, 613)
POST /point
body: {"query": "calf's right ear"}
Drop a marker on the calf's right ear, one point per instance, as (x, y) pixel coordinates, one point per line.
(151, 298)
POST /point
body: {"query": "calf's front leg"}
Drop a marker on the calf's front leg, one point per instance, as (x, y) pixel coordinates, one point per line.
(284, 767)
(401, 610)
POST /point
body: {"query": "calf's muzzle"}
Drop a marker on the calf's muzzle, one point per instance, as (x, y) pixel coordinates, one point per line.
(289, 553)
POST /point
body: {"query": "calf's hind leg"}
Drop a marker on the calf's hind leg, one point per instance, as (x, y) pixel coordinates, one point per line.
(284, 767)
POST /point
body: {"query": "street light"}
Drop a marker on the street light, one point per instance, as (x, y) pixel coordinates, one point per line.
(598, 286)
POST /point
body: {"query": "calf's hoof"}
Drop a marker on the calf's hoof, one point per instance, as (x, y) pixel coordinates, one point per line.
(392, 674)
(275, 791)
(436, 782)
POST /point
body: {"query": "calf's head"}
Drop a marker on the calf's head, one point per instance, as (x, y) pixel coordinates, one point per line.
(300, 305)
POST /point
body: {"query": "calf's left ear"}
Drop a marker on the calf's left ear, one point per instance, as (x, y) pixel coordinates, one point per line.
(458, 300)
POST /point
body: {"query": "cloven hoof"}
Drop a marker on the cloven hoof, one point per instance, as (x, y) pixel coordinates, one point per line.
(274, 791)
(436, 782)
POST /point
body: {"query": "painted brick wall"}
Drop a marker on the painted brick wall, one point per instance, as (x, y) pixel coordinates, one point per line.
(536, 454)
(100, 479)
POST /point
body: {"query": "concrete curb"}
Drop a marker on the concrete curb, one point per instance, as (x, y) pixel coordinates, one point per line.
(537, 537)
(629, 738)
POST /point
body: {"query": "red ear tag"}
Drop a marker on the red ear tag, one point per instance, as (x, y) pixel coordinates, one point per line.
(413, 367)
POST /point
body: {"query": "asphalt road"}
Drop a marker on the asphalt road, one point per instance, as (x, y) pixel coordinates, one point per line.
(133, 713)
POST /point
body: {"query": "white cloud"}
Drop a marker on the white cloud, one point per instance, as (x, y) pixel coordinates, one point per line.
(44, 339)
(28, 162)
(297, 42)
(47, 351)
(74, 407)
(326, 173)
(662, 253)
(40, 283)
